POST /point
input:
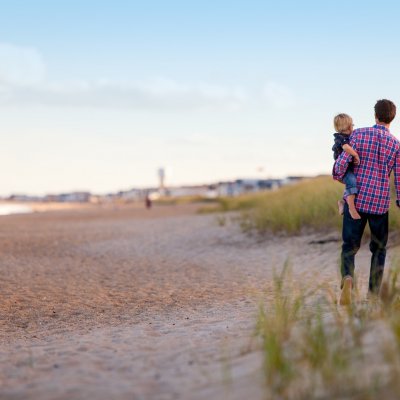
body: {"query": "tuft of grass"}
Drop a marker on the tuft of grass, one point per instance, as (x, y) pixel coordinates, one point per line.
(221, 220)
(309, 204)
(313, 348)
(274, 327)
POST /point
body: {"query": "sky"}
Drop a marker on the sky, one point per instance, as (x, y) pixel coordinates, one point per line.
(97, 95)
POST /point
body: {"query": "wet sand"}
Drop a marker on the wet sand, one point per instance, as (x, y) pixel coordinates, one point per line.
(135, 304)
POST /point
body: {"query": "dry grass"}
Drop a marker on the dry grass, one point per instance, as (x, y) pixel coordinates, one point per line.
(315, 349)
(310, 204)
(168, 201)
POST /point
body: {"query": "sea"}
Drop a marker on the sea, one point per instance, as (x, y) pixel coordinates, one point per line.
(8, 209)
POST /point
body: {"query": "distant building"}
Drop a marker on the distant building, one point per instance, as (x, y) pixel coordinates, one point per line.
(187, 191)
(220, 189)
(75, 197)
(23, 198)
(241, 186)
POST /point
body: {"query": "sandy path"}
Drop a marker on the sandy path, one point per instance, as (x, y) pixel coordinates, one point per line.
(139, 305)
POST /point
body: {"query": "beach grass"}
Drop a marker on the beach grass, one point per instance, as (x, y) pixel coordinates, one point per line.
(314, 349)
(190, 199)
(310, 204)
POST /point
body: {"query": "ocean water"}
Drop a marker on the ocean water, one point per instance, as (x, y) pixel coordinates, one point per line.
(7, 209)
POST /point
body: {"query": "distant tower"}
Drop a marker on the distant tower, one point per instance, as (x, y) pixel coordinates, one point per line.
(161, 177)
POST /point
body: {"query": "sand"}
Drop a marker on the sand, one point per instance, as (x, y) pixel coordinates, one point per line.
(130, 303)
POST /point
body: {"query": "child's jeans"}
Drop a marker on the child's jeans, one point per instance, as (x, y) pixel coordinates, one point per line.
(350, 181)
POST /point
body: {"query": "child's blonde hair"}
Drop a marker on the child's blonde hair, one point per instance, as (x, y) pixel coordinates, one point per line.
(343, 122)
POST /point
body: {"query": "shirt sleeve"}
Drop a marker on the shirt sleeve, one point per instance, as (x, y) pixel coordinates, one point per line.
(397, 175)
(344, 159)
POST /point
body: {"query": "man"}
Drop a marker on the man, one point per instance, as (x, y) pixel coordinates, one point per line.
(379, 153)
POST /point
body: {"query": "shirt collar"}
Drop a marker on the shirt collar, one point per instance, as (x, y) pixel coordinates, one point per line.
(381, 127)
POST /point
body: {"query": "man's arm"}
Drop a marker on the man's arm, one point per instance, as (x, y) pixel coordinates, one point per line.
(396, 168)
(349, 150)
(341, 165)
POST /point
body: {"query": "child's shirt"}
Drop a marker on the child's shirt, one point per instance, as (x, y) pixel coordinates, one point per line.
(340, 140)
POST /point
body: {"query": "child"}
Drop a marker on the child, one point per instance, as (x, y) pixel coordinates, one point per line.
(344, 127)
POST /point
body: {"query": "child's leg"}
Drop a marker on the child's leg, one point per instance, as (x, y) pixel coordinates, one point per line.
(351, 190)
(352, 208)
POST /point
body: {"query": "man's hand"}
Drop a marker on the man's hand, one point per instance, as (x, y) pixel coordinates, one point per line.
(356, 159)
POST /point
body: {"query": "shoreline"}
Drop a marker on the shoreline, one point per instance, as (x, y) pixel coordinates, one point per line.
(19, 207)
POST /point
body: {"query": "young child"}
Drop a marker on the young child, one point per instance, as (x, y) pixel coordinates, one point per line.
(344, 127)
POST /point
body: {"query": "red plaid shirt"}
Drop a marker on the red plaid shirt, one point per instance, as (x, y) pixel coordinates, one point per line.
(379, 153)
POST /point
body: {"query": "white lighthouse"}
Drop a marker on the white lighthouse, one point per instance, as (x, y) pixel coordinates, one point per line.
(161, 181)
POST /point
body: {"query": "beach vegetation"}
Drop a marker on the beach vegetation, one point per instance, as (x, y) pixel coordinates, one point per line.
(189, 199)
(315, 349)
(308, 205)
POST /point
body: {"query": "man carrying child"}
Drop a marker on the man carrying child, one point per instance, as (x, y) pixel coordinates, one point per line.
(379, 153)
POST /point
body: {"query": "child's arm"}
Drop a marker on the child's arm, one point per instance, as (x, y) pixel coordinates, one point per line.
(349, 150)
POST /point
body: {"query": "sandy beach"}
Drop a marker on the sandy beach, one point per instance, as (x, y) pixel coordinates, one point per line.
(135, 304)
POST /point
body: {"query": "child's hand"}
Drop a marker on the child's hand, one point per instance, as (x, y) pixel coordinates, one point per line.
(356, 160)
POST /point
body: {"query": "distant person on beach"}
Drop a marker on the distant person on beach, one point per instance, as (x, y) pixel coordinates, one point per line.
(379, 152)
(147, 202)
(343, 124)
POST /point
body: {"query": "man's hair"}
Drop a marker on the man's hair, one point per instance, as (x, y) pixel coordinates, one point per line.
(343, 122)
(385, 111)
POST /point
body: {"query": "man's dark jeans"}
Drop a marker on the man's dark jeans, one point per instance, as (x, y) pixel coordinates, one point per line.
(353, 230)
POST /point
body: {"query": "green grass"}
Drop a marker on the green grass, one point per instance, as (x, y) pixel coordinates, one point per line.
(314, 349)
(172, 201)
(308, 205)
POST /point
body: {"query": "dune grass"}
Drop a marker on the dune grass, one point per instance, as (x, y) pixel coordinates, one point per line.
(314, 349)
(172, 201)
(309, 204)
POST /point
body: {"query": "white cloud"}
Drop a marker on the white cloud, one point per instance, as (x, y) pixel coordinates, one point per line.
(278, 95)
(23, 82)
(20, 66)
(155, 94)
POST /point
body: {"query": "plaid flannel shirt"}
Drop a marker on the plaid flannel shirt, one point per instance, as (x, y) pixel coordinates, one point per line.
(379, 153)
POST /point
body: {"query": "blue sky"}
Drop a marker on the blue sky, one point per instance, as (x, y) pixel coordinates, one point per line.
(96, 95)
